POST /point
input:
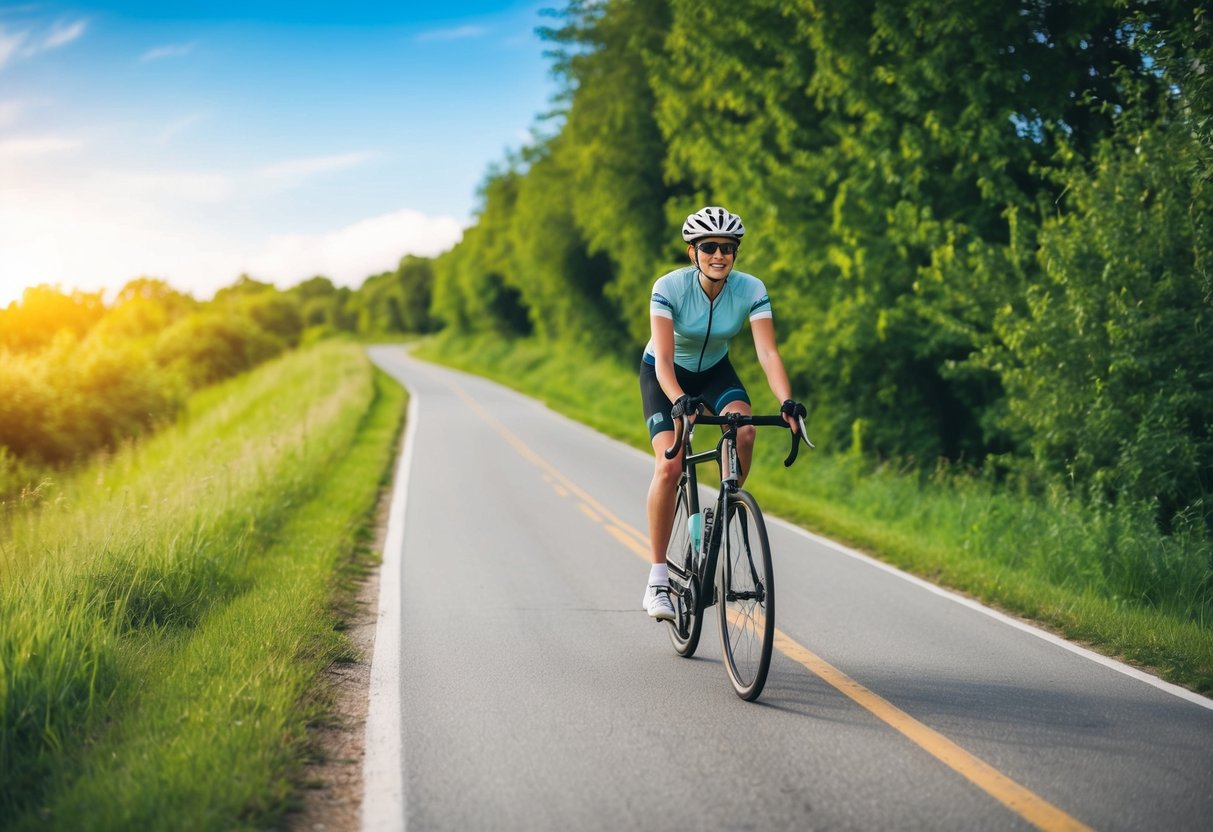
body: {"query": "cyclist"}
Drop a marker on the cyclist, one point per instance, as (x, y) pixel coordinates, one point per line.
(693, 313)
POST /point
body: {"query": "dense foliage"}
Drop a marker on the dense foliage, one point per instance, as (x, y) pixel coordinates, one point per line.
(986, 227)
(79, 375)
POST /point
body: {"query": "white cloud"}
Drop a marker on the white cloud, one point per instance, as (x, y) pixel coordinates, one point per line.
(175, 128)
(10, 112)
(10, 45)
(172, 50)
(62, 35)
(349, 255)
(457, 33)
(25, 147)
(24, 44)
(293, 172)
(14, 111)
(163, 187)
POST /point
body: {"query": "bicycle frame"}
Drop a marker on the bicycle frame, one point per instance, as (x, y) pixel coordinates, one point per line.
(725, 457)
(715, 574)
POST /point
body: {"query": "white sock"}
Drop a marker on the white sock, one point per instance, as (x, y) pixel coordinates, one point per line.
(659, 575)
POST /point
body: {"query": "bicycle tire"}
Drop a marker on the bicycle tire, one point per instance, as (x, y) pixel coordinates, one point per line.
(687, 625)
(747, 602)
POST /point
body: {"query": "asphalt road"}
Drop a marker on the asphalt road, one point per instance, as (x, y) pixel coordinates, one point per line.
(518, 685)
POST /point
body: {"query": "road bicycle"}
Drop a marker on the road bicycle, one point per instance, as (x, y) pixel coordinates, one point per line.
(720, 556)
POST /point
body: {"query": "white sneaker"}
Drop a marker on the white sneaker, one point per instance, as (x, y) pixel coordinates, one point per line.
(657, 603)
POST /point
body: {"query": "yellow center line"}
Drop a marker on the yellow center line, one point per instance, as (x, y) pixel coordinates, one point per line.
(1027, 804)
(627, 539)
(558, 477)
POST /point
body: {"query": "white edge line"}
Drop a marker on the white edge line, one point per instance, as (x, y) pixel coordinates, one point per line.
(383, 761)
(1045, 635)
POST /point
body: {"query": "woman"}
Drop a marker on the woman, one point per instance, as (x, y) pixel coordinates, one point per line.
(693, 313)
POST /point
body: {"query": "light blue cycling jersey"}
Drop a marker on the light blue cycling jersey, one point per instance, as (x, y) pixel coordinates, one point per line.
(702, 328)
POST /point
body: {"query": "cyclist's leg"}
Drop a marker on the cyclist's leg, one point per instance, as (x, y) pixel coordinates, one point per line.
(659, 504)
(745, 439)
(662, 492)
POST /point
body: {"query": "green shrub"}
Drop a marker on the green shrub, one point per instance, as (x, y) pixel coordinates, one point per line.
(212, 345)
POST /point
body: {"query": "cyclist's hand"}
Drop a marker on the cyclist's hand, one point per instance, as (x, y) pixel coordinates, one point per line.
(688, 405)
(793, 411)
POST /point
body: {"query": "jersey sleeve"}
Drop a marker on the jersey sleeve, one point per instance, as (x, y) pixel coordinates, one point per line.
(661, 304)
(760, 306)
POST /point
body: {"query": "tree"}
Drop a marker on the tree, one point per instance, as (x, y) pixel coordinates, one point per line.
(214, 344)
(244, 285)
(605, 170)
(142, 308)
(477, 287)
(276, 313)
(415, 276)
(378, 303)
(45, 311)
(1110, 371)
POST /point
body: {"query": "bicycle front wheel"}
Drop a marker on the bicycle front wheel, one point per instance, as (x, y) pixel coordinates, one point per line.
(747, 608)
(684, 581)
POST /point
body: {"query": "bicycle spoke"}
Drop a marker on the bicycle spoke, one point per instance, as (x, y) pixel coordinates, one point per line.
(746, 616)
(685, 629)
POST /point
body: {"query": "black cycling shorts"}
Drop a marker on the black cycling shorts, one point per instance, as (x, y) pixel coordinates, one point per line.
(717, 386)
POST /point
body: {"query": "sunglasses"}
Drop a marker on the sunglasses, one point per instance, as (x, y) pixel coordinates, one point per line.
(710, 248)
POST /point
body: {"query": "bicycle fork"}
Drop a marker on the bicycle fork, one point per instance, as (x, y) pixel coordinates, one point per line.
(759, 592)
(728, 477)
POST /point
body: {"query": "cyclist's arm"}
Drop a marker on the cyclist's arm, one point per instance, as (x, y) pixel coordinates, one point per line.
(663, 352)
(763, 330)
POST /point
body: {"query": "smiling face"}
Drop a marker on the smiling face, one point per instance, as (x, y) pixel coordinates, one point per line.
(714, 256)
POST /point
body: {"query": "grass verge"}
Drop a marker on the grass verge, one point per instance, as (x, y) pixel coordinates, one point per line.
(167, 610)
(1101, 575)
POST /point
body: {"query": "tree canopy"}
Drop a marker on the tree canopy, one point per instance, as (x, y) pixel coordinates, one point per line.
(985, 226)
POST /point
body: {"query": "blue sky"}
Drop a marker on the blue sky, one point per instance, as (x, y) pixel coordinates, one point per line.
(196, 141)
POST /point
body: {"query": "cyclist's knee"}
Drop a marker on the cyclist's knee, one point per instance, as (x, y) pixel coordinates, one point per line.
(745, 435)
(668, 470)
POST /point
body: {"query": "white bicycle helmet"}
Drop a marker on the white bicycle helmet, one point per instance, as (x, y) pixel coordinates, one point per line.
(712, 221)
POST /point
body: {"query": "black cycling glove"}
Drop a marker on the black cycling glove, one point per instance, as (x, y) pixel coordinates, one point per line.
(685, 405)
(794, 409)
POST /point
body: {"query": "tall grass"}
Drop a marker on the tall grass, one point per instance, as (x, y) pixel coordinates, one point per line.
(1097, 572)
(165, 610)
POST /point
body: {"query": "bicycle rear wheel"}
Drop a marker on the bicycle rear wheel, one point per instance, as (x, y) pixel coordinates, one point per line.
(684, 582)
(747, 610)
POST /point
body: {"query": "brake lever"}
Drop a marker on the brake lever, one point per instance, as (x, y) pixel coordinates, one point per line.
(796, 439)
(804, 433)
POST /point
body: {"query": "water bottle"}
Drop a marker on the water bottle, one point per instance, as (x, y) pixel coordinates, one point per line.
(695, 527)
